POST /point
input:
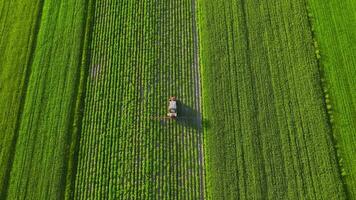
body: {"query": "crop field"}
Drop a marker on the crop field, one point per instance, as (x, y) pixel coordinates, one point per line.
(126, 151)
(49, 69)
(264, 110)
(336, 42)
(12, 74)
(265, 93)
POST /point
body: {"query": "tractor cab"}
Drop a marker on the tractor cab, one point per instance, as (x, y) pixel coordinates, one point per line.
(172, 107)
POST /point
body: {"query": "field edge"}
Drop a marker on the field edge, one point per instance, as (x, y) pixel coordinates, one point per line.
(76, 122)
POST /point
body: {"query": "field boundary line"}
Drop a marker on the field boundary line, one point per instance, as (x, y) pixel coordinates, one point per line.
(196, 65)
(324, 85)
(75, 126)
(30, 58)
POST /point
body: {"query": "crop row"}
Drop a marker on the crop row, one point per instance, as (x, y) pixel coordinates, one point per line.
(141, 53)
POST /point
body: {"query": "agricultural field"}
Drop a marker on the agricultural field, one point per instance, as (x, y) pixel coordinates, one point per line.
(49, 70)
(17, 31)
(263, 111)
(263, 104)
(141, 52)
(336, 41)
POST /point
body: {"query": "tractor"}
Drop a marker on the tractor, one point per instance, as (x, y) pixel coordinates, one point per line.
(172, 107)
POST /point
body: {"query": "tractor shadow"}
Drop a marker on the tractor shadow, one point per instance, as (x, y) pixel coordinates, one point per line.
(188, 116)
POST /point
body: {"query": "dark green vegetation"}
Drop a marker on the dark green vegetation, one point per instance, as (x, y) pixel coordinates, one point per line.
(334, 25)
(266, 131)
(141, 52)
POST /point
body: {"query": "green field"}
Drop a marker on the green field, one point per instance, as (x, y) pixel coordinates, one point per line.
(263, 105)
(126, 152)
(18, 37)
(336, 40)
(39, 161)
(266, 99)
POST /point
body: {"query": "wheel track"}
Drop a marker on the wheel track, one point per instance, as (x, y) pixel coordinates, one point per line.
(197, 85)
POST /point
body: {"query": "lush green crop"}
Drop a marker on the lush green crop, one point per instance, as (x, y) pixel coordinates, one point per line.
(334, 25)
(39, 166)
(266, 130)
(141, 52)
(84, 88)
(18, 21)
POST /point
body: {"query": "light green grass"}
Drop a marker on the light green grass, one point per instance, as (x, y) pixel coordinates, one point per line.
(17, 38)
(141, 53)
(266, 129)
(42, 149)
(334, 25)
